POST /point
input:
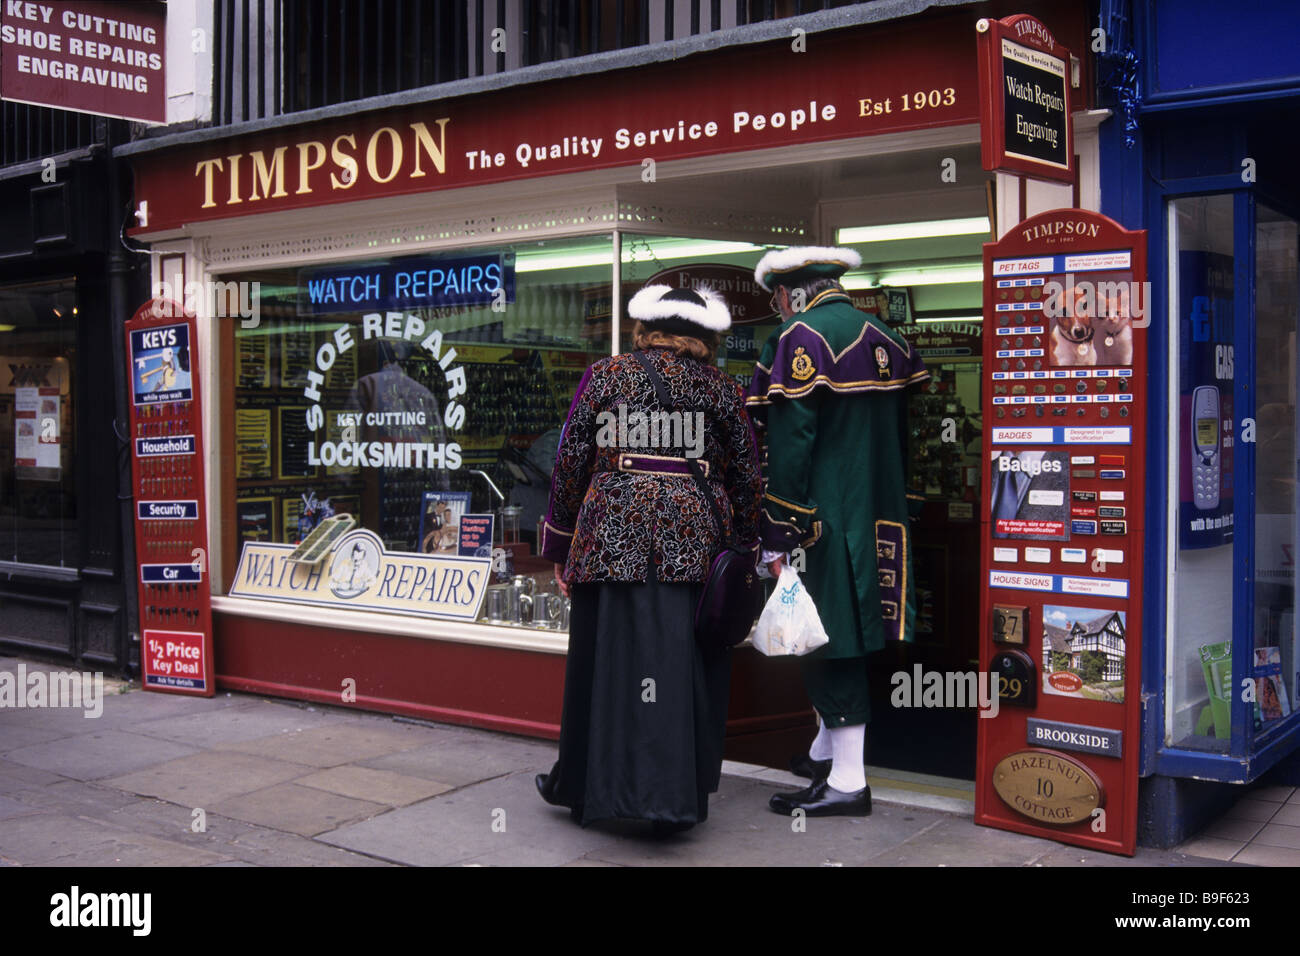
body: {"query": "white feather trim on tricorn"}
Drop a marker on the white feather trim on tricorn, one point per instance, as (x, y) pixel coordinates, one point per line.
(649, 305)
(781, 261)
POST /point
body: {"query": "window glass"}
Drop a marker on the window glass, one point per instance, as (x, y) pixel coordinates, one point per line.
(38, 503)
(406, 392)
(1276, 304)
(1199, 662)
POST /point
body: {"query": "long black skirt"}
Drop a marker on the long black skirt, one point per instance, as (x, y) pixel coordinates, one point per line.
(645, 708)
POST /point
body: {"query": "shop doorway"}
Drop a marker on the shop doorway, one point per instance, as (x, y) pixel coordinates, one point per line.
(921, 274)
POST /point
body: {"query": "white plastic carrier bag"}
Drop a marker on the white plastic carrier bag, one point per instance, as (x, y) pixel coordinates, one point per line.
(789, 623)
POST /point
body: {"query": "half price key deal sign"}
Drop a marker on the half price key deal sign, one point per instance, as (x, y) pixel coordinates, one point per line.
(102, 58)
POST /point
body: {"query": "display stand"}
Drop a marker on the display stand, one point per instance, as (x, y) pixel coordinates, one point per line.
(1066, 306)
(171, 540)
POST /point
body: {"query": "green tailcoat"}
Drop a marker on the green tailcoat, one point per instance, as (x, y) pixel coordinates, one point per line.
(831, 386)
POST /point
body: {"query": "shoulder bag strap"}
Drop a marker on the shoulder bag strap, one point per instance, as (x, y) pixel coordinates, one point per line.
(661, 392)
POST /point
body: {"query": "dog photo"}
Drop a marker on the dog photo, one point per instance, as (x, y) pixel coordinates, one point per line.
(1072, 340)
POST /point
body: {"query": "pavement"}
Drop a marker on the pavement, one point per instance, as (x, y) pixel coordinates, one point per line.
(244, 780)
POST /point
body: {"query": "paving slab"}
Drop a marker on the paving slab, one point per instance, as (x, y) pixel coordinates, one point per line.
(246, 842)
(956, 841)
(1275, 794)
(1229, 828)
(102, 754)
(249, 720)
(13, 808)
(15, 777)
(264, 847)
(77, 798)
(119, 710)
(1277, 834)
(1248, 808)
(302, 810)
(377, 786)
(1212, 848)
(464, 757)
(336, 744)
(51, 839)
(14, 736)
(1288, 814)
(1056, 854)
(458, 828)
(742, 831)
(206, 779)
(1258, 855)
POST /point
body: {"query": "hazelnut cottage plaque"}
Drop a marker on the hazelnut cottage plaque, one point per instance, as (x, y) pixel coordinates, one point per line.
(1048, 787)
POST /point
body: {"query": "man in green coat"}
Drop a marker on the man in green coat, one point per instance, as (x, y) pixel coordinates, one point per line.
(831, 387)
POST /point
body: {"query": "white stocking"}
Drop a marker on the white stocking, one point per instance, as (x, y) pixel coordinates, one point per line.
(821, 745)
(847, 772)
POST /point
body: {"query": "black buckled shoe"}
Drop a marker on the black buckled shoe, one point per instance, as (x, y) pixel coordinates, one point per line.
(823, 800)
(804, 766)
(544, 787)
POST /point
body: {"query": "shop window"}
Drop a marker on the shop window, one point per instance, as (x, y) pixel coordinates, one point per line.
(1200, 691)
(1234, 468)
(407, 392)
(1277, 301)
(38, 502)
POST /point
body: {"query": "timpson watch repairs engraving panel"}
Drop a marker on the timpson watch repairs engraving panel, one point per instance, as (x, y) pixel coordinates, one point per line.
(1048, 787)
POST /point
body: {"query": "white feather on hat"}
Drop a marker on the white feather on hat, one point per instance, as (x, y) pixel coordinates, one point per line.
(835, 260)
(649, 305)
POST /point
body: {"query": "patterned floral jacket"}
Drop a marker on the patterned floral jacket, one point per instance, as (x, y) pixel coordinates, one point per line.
(612, 509)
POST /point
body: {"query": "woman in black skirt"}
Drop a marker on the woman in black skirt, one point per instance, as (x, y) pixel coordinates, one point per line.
(633, 538)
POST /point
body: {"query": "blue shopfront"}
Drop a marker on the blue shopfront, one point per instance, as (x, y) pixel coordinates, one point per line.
(1201, 153)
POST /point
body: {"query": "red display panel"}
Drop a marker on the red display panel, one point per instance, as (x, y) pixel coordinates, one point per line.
(1066, 307)
(171, 540)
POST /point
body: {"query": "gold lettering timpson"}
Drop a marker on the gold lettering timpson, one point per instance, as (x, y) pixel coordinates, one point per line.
(387, 153)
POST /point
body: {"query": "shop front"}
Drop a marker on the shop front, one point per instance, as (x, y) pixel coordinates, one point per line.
(396, 306)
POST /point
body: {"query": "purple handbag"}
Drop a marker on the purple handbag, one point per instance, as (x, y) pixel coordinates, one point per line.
(733, 594)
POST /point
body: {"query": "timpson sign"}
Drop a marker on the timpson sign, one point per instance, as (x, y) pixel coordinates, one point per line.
(918, 75)
(1025, 99)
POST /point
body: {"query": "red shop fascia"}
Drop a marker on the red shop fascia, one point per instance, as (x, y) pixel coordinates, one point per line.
(334, 188)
